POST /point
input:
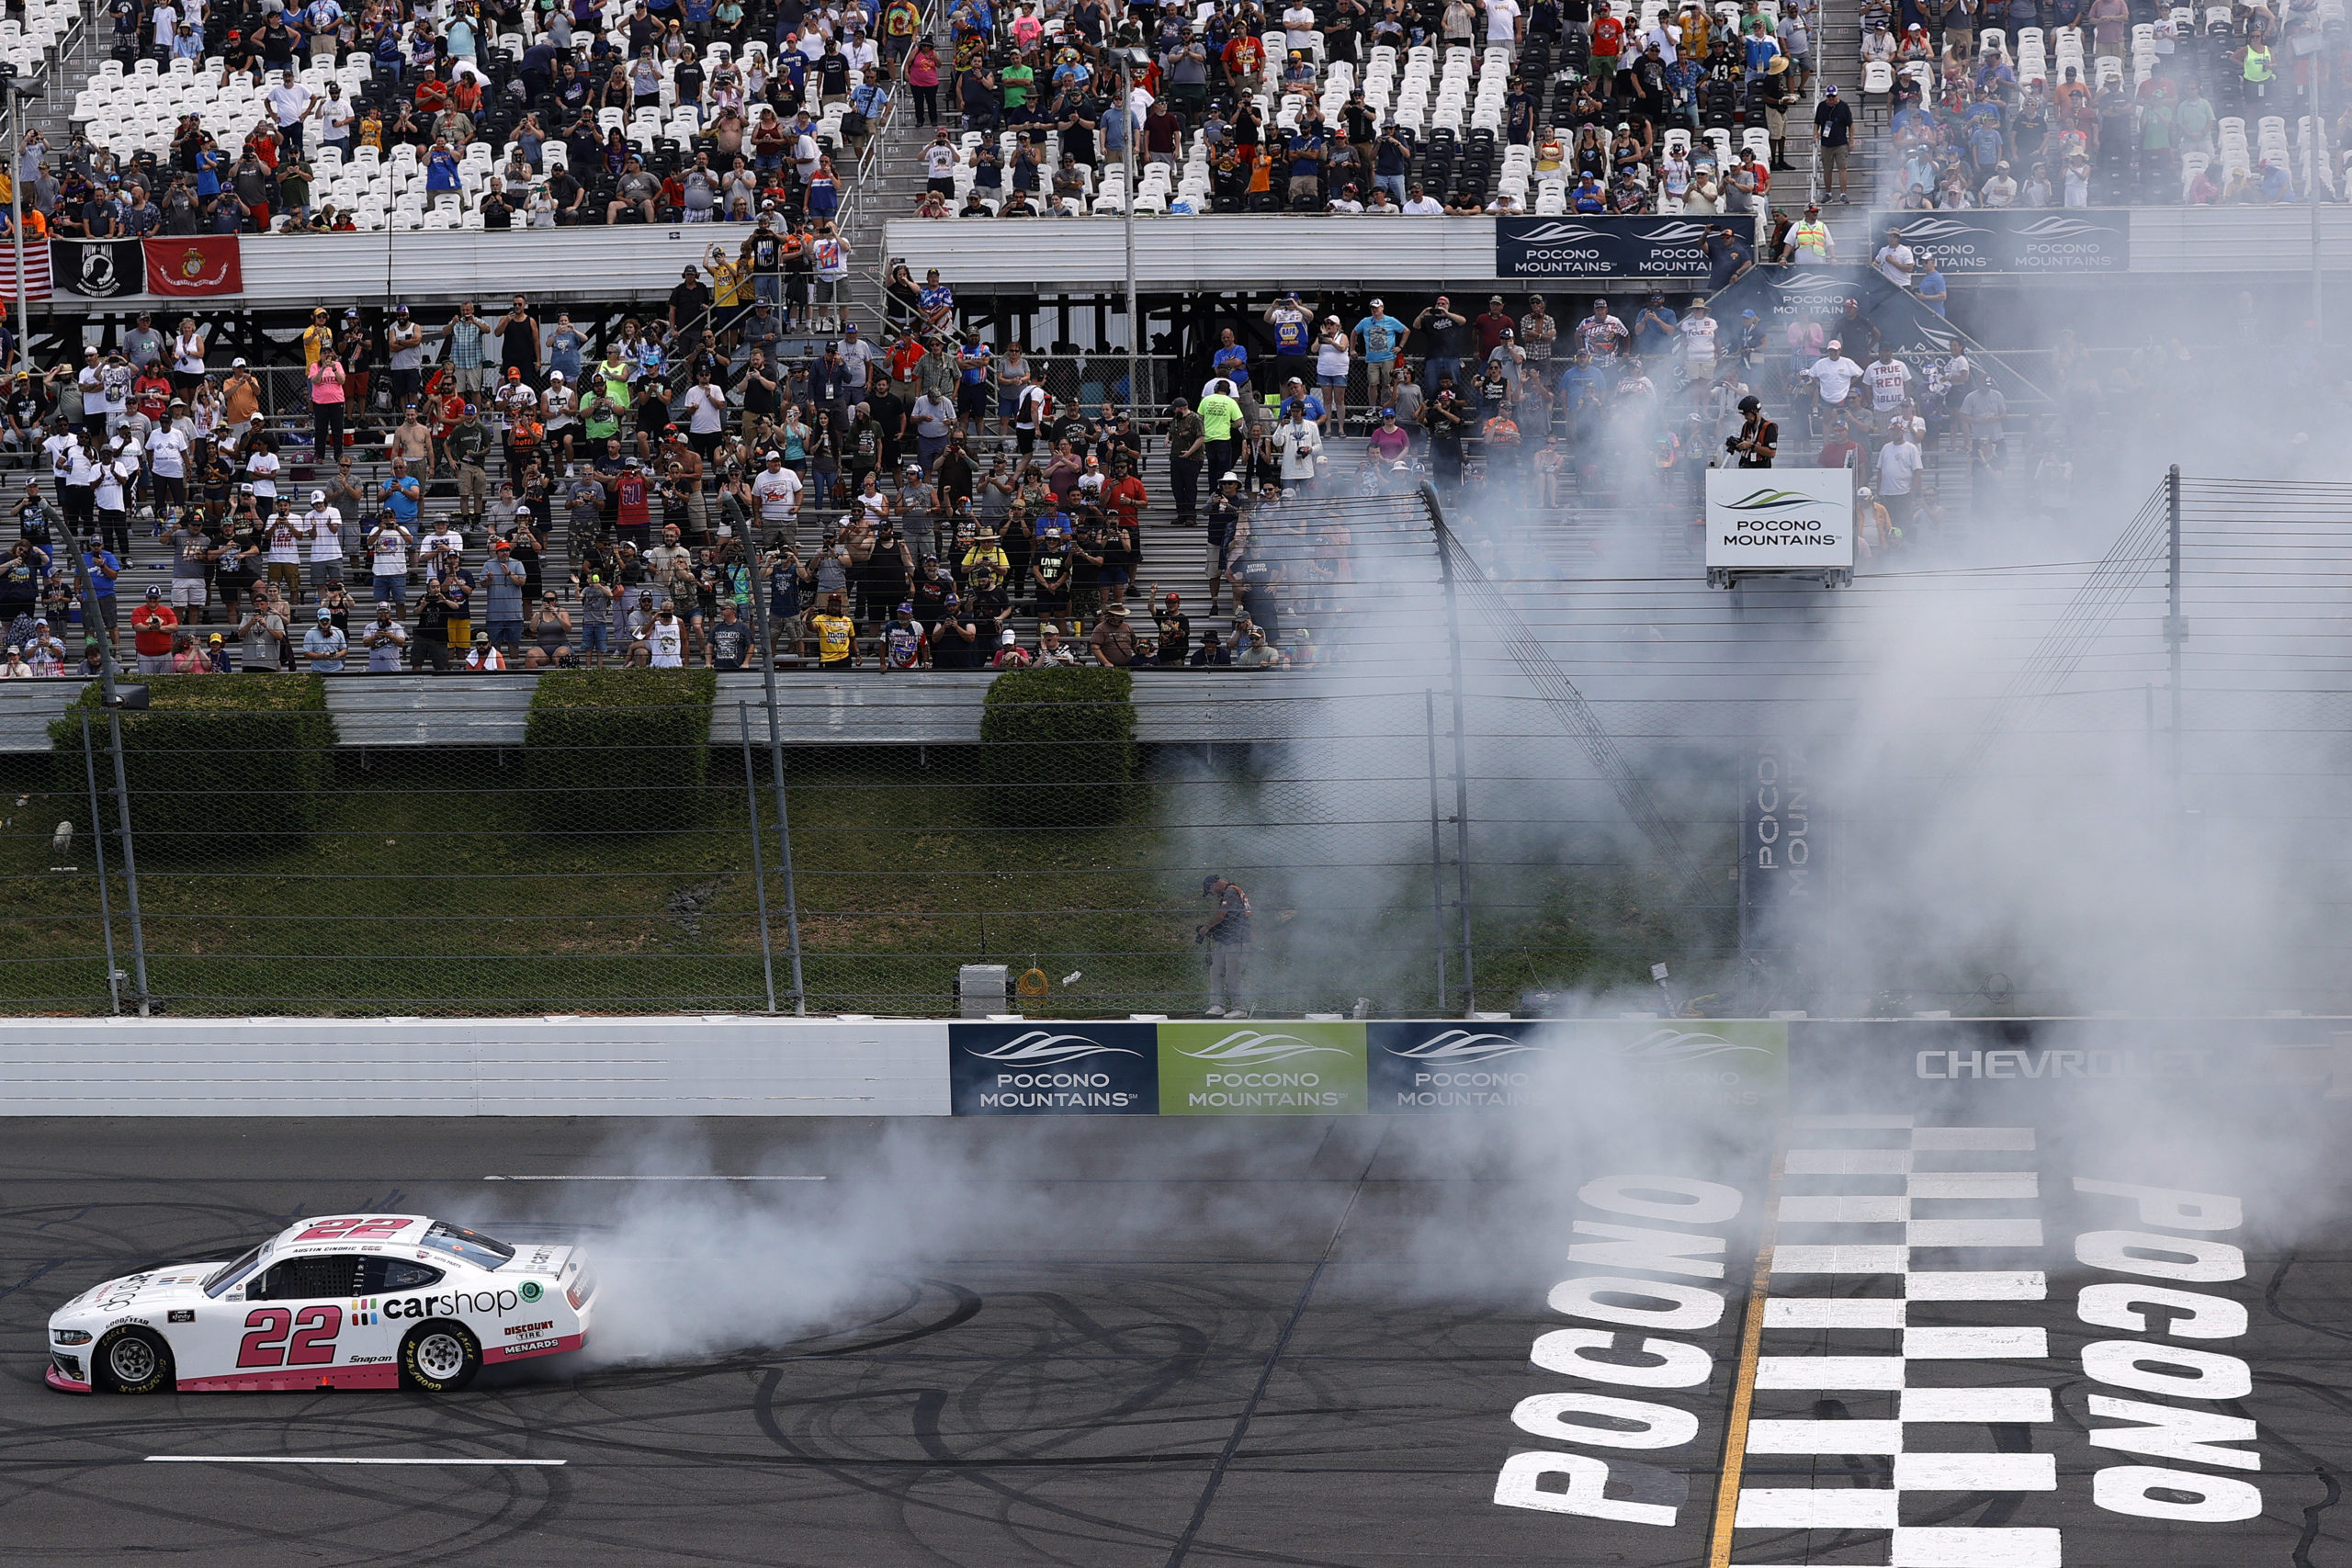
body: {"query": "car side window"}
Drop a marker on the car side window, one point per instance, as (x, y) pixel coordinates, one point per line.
(380, 1275)
(319, 1277)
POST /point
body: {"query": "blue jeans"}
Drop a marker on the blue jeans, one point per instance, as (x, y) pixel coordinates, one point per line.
(1394, 184)
(1433, 368)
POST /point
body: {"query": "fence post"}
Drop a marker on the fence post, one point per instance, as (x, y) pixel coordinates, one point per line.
(129, 864)
(1444, 539)
(1437, 848)
(759, 872)
(98, 841)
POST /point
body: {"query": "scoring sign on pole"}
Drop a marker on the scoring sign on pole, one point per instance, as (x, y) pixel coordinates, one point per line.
(1781, 520)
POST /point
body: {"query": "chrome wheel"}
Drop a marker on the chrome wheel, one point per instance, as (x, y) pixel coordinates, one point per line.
(132, 1359)
(440, 1356)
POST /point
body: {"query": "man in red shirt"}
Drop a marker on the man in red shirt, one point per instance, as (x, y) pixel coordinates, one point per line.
(1242, 55)
(1125, 498)
(629, 499)
(905, 355)
(1608, 40)
(151, 625)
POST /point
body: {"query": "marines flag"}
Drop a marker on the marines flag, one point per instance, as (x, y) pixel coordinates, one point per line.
(203, 263)
(100, 269)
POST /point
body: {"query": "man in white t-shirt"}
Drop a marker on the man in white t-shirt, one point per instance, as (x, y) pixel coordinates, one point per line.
(387, 559)
(1418, 203)
(706, 415)
(283, 532)
(167, 454)
(1502, 23)
(1890, 381)
(1697, 331)
(939, 161)
(1898, 463)
(1833, 375)
(666, 639)
(321, 525)
(1894, 260)
(289, 102)
(778, 490)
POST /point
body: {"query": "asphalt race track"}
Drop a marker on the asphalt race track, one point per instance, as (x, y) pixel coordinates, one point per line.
(1116, 1340)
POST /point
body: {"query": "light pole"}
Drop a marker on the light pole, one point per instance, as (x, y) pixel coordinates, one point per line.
(1127, 219)
(18, 91)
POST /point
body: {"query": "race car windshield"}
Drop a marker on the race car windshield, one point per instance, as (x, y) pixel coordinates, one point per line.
(470, 1245)
(228, 1274)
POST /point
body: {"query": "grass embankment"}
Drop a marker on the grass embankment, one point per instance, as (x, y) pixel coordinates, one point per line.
(430, 883)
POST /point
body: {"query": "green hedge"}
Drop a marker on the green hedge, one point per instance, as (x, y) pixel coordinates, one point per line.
(253, 755)
(1058, 746)
(610, 750)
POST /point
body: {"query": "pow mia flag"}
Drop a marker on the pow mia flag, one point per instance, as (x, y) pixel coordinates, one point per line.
(101, 269)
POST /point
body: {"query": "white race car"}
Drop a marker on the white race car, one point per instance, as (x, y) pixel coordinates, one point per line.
(349, 1302)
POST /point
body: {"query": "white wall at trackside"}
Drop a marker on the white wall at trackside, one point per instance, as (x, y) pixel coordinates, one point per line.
(495, 1066)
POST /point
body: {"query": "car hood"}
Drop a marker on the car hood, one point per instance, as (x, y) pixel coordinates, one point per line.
(173, 1284)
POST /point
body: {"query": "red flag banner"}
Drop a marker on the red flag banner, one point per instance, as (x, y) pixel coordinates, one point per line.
(36, 270)
(205, 264)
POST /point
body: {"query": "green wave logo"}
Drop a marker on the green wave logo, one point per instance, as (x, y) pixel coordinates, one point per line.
(1766, 500)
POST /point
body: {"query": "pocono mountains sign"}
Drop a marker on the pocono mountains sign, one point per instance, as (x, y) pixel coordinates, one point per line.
(1597, 245)
(1767, 519)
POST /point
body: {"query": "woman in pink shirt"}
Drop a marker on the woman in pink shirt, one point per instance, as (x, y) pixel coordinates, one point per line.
(327, 403)
(923, 76)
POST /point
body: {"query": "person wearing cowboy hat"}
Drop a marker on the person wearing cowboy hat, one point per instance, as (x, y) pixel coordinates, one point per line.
(1113, 639)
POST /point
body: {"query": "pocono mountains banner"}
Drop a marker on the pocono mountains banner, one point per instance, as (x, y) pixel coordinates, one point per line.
(1600, 245)
(1328, 1068)
(2037, 240)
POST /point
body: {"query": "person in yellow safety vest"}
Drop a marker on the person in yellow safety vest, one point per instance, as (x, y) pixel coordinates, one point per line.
(1809, 240)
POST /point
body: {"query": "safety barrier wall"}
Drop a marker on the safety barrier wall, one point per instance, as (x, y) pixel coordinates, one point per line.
(762, 1067)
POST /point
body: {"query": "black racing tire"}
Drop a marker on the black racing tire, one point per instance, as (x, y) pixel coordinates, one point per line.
(132, 1360)
(439, 1356)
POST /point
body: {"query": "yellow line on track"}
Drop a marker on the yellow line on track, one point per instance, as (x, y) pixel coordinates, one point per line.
(1743, 1387)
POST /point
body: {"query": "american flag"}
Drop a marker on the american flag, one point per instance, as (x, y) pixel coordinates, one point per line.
(36, 270)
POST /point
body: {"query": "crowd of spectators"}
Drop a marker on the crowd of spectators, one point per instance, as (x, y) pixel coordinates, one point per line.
(2030, 103)
(1442, 106)
(527, 497)
(484, 114)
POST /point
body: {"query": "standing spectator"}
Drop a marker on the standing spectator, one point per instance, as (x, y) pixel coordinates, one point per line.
(386, 641)
(1227, 935)
(1442, 336)
(151, 625)
(1833, 132)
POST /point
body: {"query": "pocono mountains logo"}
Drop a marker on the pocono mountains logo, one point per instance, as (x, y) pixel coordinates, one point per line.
(1040, 1046)
(1461, 1045)
(1673, 1047)
(1248, 1047)
(1767, 500)
(1919, 230)
(2054, 228)
(1675, 232)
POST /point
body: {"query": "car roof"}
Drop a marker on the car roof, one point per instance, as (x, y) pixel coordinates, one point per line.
(349, 1233)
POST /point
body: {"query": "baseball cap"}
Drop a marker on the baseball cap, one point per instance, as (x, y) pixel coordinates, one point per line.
(214, 637)
(318, 495)
(236, 364)
(555, 375)
(325, 613)
(1377, 305)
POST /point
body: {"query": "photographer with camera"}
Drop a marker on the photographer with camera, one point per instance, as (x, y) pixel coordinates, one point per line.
(431, 642)
(1759, 439)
